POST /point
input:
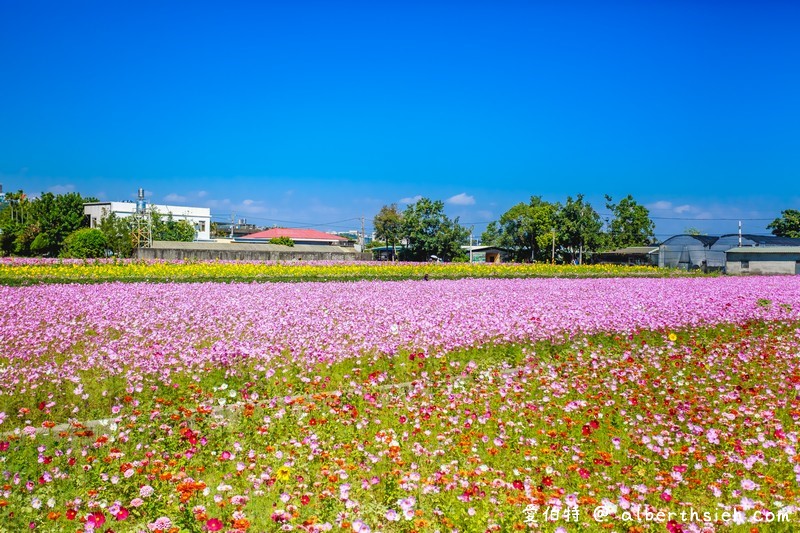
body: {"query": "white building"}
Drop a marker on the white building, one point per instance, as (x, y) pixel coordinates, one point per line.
(200, 217)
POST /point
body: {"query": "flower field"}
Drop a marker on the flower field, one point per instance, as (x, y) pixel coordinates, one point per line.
(18, 271)
(447, 405)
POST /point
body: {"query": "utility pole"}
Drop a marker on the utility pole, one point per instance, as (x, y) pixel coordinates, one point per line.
(470, 247)
(233, 218)
(363, 236)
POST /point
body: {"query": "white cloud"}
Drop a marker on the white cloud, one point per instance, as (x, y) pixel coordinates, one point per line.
(461, 199)
(174, 197)
(250, 207)
(486, 215)
(661, 205)
(62, 189)
(202, 194)
(410, 200)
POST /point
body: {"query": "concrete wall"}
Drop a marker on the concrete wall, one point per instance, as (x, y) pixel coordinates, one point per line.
(787, 266)
(171, 254)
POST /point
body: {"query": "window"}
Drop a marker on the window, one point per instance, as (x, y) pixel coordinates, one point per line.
(745, 265)
(202, 225)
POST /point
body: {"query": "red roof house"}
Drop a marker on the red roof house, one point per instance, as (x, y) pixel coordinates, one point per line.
(298, 235)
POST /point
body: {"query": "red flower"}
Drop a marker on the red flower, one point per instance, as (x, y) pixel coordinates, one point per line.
(71, 514)
(583, 473)
(586, 430)
(547, 481)
(304, 499)
(594, 424)
(122, 514)
(97, 519)
(674, 527)
(666, 496)
(214, 524)
(518, 484)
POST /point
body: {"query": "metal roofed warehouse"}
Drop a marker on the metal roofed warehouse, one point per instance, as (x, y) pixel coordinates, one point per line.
(690, 252)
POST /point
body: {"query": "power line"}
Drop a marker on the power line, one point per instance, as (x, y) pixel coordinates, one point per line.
(293, 222)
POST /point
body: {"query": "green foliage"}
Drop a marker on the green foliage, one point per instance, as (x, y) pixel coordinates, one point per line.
(171, 229)
(526, 229)
(578, 228)
(631, 225)
(86, 242)
(491, 236)
(787, 225)
(118, 233)
(56, 216)
(430, 232)
(39, 226)
(388, 225)
(283, 241)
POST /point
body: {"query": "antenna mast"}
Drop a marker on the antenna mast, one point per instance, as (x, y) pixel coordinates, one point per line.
(141, 223)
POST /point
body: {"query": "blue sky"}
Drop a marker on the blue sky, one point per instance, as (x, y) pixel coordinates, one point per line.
(316, 113)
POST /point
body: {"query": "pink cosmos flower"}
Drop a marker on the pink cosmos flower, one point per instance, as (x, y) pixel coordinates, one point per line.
(213, 524)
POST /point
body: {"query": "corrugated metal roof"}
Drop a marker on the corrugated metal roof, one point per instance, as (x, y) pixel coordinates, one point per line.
(632, 250)
(482, 248)
(705, 240)
(764, 240)
(250, 247)
(298, 234)
(765, 250)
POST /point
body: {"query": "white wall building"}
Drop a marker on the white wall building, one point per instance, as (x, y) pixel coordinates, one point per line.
(200, 217)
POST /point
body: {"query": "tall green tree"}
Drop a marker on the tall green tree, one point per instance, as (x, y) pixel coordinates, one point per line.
(169, 229)
(527, 229)
(16, 231)
(117, 231)
(56, 216)
(787, 225)
(631, 225)
(492, 235)
(579, 228)
(429, 232)
(388, 224)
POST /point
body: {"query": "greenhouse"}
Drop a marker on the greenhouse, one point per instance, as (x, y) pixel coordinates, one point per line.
(706, 252)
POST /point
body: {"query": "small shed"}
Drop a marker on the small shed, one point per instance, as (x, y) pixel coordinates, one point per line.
(763, 260)
(487, 254)
(631, 255)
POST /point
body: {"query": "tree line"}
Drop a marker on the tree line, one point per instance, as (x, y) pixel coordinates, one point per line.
(54, 225)
(539, 230)
(536, 230)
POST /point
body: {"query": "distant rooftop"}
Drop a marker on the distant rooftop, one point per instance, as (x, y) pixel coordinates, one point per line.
(296, 234)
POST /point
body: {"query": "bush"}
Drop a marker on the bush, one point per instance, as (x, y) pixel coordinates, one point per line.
(285, 241)
(86, 242)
